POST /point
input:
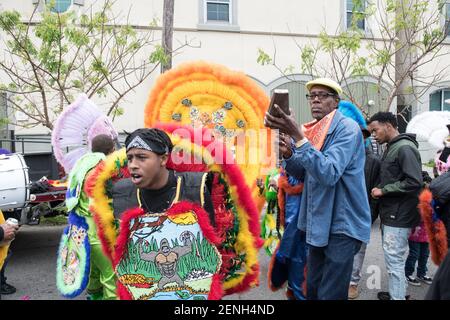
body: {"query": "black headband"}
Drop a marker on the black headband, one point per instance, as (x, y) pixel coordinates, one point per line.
(154, 140)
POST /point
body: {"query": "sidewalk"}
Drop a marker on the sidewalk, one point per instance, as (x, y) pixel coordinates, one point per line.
(374, 277)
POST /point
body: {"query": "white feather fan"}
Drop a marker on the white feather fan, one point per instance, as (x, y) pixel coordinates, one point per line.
(430, 126)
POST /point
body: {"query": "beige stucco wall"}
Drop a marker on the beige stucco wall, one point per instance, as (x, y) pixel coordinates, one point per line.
(260, 24)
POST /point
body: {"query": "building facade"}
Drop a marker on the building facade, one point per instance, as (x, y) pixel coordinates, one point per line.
(230, 32)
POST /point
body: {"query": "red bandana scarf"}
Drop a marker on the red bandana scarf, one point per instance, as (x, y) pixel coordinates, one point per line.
(316, 131)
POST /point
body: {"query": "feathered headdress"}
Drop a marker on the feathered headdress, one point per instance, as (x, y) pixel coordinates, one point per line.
(351, 111)
(207, 95)
(75, 128)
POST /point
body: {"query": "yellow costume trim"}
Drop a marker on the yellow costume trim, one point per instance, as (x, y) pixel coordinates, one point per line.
(3, 249)
(202, 188)
(101, 204)
(245, 242)
(138, 195)
(195, 92)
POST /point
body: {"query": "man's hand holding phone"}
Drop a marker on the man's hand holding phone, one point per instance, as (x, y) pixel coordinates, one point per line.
(285, 123)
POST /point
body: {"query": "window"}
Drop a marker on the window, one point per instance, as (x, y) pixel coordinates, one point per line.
(440, 100)
(354, 9)
(218, 15)
(218, 10)
(59, 6)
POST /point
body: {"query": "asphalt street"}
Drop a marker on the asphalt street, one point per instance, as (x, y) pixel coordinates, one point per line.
(32, 269)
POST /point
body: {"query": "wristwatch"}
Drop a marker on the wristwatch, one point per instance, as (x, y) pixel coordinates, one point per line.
(301, 142)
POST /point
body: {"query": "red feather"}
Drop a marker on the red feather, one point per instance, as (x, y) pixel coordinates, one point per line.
(216, 291)
(249, 280)
(437, 235)
(270, 269)
(124, 294)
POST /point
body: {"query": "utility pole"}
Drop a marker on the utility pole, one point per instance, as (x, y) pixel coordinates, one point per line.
(404, 57)
(167, 33)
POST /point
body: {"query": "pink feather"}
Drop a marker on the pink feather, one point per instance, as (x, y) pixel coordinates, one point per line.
(75, 128)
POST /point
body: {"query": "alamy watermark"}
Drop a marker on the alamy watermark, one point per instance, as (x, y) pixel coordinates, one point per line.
(258, 147)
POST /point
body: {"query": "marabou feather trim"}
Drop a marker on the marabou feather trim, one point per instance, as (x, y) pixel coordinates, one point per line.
(437, 235)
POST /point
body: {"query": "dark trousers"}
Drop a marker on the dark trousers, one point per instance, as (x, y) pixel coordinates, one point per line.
(418, 252)
(296, 277)
(330, 268)
(2, 271)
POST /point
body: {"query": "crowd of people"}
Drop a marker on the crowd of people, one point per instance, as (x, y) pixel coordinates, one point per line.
(346, 188)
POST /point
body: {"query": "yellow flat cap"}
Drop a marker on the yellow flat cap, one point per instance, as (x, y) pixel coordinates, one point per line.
(326, 83)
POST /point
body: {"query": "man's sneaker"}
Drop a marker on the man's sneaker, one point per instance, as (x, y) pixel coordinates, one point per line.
(425, 279)
(412, 281)
(353, 292)
(7, 289)
(383, 295)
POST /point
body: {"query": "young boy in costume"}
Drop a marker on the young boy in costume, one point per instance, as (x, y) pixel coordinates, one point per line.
(169, 236)
(156, 186)
(101, 283)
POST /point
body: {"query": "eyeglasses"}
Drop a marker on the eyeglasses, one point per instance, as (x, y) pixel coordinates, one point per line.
(320, 95)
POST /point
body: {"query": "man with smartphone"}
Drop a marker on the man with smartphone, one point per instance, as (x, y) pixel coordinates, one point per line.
(328, 154)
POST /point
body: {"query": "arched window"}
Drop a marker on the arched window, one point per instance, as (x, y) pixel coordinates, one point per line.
(59, 6)
(440, 100)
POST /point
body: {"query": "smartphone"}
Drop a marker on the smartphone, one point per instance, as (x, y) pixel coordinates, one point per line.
(280, 97)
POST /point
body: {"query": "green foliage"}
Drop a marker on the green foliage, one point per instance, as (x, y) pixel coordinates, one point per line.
(431, 36)
(118, 111)
(77, 84)
(100, 68)
(4, 122)
(64, 54)
(359, 67)
(289, 69)
(263, 57)
(307, 58)
(10, 20)
(382, 57)
(391, 6)
(346, 41)
(159, 56)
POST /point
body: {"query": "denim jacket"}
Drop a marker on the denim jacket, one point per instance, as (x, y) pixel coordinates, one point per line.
(292, 204)
(334, 199)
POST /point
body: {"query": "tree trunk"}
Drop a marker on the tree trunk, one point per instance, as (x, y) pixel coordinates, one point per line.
(167, 33)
